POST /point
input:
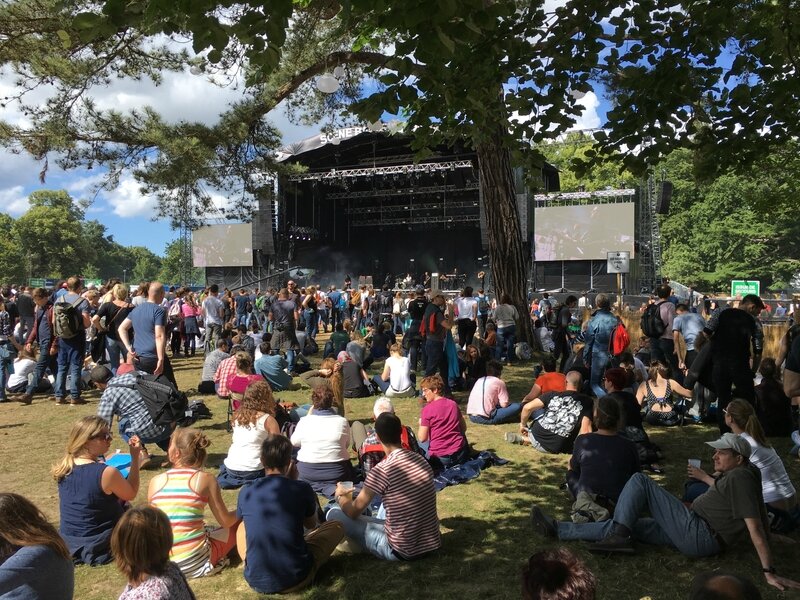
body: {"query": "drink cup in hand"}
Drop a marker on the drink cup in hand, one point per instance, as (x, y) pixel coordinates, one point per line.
(346, 488)
(695, 462)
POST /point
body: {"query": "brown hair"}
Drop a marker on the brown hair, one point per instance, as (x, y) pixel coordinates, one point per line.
(657, 368)
(257, 399)
(192, 444)
(244, 362)
(557, 574)
(23, 524)
(606, 413)
(322, 397)
(432, 382)
(741, 412)
(141, 542)
(337, 387)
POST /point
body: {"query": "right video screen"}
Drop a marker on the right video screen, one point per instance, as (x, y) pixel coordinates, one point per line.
(587, 232)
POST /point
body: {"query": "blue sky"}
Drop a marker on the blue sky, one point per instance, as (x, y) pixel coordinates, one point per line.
(125, 211)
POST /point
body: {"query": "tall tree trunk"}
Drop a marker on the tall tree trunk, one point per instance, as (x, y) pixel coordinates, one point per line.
(507, 255)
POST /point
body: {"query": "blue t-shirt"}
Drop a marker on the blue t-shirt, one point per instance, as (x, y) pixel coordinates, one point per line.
(689, 325)
(273, 509)
(144, 319)
(37, 573)
(241, 304)
(334, 297)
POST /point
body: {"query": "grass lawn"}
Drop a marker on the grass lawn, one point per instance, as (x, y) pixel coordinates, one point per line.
(485, 525)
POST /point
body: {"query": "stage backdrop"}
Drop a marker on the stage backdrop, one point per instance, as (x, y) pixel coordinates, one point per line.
(228, 245)
(586, 232)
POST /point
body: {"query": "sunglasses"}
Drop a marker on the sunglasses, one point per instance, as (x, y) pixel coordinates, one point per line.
(103, 436)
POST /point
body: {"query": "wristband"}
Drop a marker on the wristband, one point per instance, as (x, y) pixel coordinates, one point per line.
(769, 570)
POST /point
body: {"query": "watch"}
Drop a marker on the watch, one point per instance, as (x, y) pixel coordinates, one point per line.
(769, 570)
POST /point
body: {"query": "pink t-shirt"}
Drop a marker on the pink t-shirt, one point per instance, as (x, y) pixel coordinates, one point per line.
(443, 420)
(487, 393)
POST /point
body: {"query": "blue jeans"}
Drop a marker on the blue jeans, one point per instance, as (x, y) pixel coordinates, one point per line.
(312, 322)
(70, 363)
(5, 366)
(506, 338)
(600, 360)
(27, 323)
(509, 414)
(671, 524)
(115, 350)
(291, 359)
(161, 440)
(367, 532)
(241, 319)
(323, 316)
(42, 363)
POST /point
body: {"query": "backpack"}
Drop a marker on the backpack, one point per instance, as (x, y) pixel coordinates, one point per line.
(175, 313)
(551, 315)
(342, 304)
(165, 404)
(619, 339)
(67, 319)
(386, 302)
(652, 324)
(483, 305)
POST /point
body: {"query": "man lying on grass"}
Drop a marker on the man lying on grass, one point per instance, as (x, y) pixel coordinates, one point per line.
(732, 508)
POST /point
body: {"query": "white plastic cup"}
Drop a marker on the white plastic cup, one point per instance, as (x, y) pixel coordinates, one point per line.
(347, 486)
(695, 462)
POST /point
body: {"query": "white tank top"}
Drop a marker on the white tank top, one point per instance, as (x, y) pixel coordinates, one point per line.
(245, 451)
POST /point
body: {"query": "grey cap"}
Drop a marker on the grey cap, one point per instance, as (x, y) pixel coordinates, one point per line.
(731, 441)
(420, 289)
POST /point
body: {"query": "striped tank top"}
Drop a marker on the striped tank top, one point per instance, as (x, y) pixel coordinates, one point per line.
(191, 549)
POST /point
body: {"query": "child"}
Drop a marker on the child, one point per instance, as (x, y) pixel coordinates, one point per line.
(24, 365)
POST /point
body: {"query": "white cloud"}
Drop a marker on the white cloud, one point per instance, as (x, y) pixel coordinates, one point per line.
(590, 119)
(14, 201)
(126, 200)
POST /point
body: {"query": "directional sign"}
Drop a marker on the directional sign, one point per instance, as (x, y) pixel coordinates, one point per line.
(742, 287)
(619, 262)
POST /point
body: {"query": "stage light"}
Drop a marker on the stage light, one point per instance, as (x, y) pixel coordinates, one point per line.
(327, 83)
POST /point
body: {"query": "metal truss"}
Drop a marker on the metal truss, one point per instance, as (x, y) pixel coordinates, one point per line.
(383, 193)
(428, 167)
(577, 198)
(416, 220)
(440, 205)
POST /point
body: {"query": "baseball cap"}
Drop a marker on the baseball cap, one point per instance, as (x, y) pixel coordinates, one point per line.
(731, 441)
(754, 300)
(420, 289)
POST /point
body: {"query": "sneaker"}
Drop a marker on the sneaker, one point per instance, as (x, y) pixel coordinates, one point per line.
(60, 401)
(613, 543)
(24, 398)
(546, 526)
(77, 401)
(514, 438)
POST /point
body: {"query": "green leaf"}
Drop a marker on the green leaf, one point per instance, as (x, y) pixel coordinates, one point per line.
(66, 41)
(446, 40)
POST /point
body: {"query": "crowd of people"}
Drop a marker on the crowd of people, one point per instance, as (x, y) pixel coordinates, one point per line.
(588, 399)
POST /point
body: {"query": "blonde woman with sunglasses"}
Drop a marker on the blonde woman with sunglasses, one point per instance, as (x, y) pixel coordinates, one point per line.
(91, 493)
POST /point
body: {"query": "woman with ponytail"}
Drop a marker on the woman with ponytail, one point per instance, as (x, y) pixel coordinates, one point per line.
(183, 493)
(777, 489)
(91, 494)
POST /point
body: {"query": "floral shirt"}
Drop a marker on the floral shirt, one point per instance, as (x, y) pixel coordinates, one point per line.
(171, 585)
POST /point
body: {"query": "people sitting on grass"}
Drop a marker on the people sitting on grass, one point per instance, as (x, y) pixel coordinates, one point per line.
(141, 543)
(603, 461)
(773, 406)
(630, 425)
(328, 375)
(777, 489)
(210, 365)
(365, 440)
(404, 481)
(323, 438)
(475, 358)
(273, 368)
(557, 573)
(722, 585)
(442, 432)
(558, 418)
(121, 397)
(241, 378)
(395, 381)
(549, 381)
(254, 420)
(35, 563)
(382, 340)
(224, 371)
(90, 493)
(727, 514)
(488, 401)
(280, 539)
(339, 339)
(354, 376)
(655, 395)
(183, 493)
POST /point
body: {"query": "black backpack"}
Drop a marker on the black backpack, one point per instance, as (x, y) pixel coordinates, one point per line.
(652, 324)
(164, 402)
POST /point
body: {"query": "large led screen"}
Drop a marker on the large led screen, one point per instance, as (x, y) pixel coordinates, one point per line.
(586, 232)
(229, 245)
